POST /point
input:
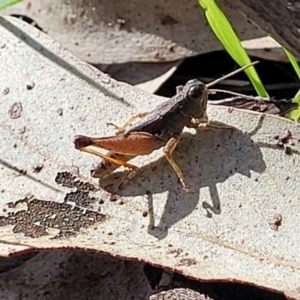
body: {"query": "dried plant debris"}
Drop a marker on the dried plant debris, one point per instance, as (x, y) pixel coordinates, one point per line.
(268, 106)
(275, 221)
(283, 141)
(37, 168)
(284, 138)
(75, 213)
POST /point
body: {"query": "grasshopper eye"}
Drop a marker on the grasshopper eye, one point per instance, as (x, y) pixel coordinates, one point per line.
(196, 91)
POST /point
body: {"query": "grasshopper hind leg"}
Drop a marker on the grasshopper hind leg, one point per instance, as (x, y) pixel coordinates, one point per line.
(104, 172)
(105, 167)
(125, 148)
(83, 142)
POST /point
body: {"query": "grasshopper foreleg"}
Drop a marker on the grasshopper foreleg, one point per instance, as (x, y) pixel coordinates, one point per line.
(204, 124)
(120, 130)
(169, 148)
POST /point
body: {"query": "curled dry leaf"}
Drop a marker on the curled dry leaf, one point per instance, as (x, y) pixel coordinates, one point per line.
(179, 293)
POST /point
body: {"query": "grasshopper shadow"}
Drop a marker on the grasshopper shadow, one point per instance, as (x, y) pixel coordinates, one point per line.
(206, 158)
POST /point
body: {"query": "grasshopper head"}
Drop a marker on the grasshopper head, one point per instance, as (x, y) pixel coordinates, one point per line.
(196, 94)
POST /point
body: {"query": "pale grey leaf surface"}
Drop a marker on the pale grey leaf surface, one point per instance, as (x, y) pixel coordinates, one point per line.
(239, 179)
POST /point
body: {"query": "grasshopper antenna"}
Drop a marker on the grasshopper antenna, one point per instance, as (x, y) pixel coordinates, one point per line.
(231, 74)
(237, 95)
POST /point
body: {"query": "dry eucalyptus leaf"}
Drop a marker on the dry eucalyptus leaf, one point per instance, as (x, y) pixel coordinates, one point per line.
(111, 32)
(265, 48)
(75, 275)
(241, 181)
(146, 76)
(280, 19)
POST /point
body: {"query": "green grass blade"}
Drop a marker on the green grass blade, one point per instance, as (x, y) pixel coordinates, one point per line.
(6, 3)
(293, 61)
(294, 114)
(225, 33)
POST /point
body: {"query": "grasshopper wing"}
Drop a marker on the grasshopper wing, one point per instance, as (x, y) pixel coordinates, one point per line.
(150, 119)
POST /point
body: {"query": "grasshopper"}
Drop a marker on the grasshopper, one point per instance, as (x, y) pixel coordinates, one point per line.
(158, 128)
